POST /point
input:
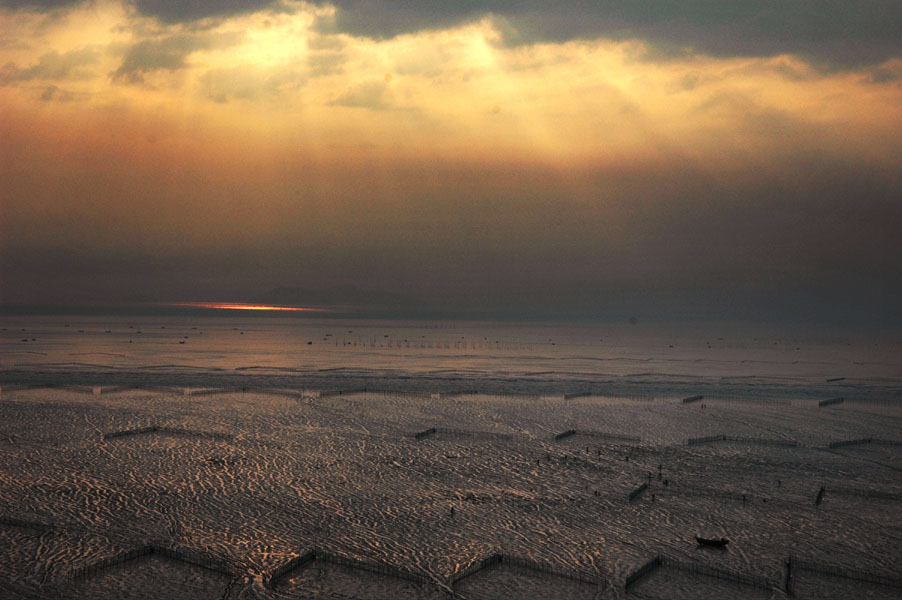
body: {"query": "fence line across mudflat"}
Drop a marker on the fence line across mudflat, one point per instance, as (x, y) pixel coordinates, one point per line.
(581, 576)
(595, 434)
(425, 433)
(864, 493)
(454, 393)
(24, 524)
(274, 392)
(845, 443)
(295, 563)
(707, 492)
(190, 557)
(474, 433)
(212, 435)
(719, 573)
(349, 392)
(100, 390)
(762, 441)
(607, 436)
(373, 567)
(299, 562)
(705, 440)
(470, 433)
(78, 389)
(9, 388)
(214, 391)
(609, 397)
(838, 571)
(643, 570)
(661, 560)
(525, 564)
(24, 387)
(637, 492)
(884, 401)
(741, 440)
(749, 399)
(863, 442)
(830, 402)
(475, 567)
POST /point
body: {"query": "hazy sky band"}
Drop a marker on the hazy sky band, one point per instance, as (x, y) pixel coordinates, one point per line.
(551, 154)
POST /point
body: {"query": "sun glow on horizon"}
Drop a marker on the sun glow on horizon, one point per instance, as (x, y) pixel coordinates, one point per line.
(244, 306)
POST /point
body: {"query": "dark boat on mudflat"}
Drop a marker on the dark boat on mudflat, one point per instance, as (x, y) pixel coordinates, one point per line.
(712, 542)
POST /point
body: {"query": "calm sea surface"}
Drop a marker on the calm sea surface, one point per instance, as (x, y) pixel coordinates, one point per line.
(645, 358)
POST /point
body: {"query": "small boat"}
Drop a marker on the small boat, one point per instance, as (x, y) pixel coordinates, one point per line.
(712, 542)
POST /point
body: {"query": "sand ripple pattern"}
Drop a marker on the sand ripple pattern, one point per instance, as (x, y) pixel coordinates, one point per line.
(258, 479)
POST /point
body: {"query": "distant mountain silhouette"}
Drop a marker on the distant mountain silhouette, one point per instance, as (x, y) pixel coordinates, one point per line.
(342, 295)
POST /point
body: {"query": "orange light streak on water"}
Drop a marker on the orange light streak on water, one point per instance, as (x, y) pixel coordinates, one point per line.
(242, 306)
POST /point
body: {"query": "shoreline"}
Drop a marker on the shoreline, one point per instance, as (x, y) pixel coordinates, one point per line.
(449, 383)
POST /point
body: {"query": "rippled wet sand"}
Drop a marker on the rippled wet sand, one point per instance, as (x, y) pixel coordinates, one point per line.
(345, 474)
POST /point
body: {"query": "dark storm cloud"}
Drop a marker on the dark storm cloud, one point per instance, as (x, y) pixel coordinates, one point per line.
(37, 4)
(838, 32)
(168, 53)
(175, 11)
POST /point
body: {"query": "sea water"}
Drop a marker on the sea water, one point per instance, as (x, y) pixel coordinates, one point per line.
(722, 358)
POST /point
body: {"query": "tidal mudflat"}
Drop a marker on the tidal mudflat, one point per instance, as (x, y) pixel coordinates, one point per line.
(147, 493)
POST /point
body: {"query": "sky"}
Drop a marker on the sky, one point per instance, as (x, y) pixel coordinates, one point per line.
(565, 159)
